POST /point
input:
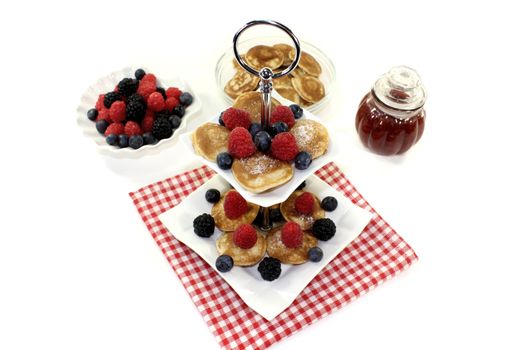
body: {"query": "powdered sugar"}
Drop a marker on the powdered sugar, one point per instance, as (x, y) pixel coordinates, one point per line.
(259, 164)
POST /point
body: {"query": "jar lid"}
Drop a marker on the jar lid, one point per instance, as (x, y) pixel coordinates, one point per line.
(401, 88)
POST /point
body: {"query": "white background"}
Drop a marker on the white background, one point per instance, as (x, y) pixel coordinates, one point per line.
(78, 269)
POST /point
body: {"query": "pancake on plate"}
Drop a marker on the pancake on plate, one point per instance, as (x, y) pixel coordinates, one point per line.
(210, 139)
(305, 221)
(277, 249)
(260, 172)
(224, 223)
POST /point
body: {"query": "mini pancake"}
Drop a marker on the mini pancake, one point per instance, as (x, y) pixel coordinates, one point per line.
(241, 82)
(259, 172)
(224, 223)
(277, 249)
(285, 49)
(298, 72)
(307, 63)
(311, 136)
(240, 256)
(251, 103)
(309, 88)
(261, 56)
(305, 221)
(210, 139)
(236, 64)
(285, 81)
(289, 93)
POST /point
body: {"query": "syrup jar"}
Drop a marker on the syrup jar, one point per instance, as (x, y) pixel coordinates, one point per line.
(391, 117)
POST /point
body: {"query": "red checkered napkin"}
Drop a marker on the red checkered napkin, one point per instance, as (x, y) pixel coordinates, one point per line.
(377, 255)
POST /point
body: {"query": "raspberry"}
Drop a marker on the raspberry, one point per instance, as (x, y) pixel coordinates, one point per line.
(284, 146)
(156, 102)
(233, 117)
(292, 235)
(304, 203)
(173, 92)
(245, 236)
(150, 77)
(103, 114)
(240, 143)
(132, 128)
(146, 88)
(283, 114)
(117, 111)
(234, 205)
(171, 102)
(147, 123)
(100, 102)
(114, 128)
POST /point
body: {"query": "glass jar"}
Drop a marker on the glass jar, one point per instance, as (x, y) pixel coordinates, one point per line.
(391, 118)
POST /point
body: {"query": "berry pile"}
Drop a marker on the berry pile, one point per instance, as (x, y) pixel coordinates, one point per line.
(246, 137)
(139, 112)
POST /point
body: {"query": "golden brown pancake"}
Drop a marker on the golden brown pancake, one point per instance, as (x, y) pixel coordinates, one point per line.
(289, 93)
(251, 103)
(298, 72)
(224, 223)
(309, 88)
(241, 82)
(277, 249)
(236, 64)
(240, 256)
(259, 172)
(307, 63)
(305, 221)
(285, 81)
(311, 136)
(210, 139)
(285, 49)
(261, 56)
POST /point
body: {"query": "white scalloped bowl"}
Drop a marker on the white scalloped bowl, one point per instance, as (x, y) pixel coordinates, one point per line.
(107, 83)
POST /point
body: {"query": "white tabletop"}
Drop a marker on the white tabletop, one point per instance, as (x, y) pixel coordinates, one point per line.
(79, 270)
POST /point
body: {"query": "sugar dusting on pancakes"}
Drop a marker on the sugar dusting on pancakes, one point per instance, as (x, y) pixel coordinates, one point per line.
(305, 134)
(259, 164)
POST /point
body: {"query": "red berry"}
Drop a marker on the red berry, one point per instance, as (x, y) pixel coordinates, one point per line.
(245, 236)
(103, 114)
(173, 92)
(234, 205)
(234, 117)
(240, 143)
(171, 102)
(156, 102)
(150, 77)
(114, 128)
(146, 88)
(304, 204)
(117, 111)
(147, 123)
(284, 146)
(100, 103)
(283, 114)
(292, 235)
(132, 128)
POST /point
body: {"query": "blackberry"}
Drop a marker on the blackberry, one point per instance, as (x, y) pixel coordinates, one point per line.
(329, 203)
(323, 229)
(204, 225)
(127, 86)
(135, 111)
(111, 97)
(140, 73)
(301, 186)
(179, 111)
(275, 215)
(162, 91)
(163, 114)
(137, 98)
(213, 195)
(162, 128)
(224, 263)
(269, 268)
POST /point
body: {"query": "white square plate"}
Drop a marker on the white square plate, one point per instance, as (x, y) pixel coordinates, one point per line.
(269, 299)
(279, 194)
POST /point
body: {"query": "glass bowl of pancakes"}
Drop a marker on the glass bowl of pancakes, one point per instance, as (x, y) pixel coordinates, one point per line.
(309, 85)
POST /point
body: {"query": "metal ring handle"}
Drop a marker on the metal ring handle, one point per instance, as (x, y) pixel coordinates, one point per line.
(275, 24)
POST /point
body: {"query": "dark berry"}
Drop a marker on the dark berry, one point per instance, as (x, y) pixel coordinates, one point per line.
(221, 122)
(135, 111)
(127, 86)
(269, 268)
(112, 139)
(204, 225)
(123, 141)
(278, 128)
(149, 139)
(111, 97)
(92, 114)
(301, 186)
(275, 215)
(224, 160)
(315, 254)
(162, 91)
(259, 219)
(297, 111)
(162, 128)
(213, 195)
(303, 160)
(163, 114)
(329, 203)
(262, 141)
(224, 263)
(136, 141)
(137, 98)
(179, 111)
(101, 126)
(323, 229)
(175, 121)
(140, 73)
(255, 128)
(186, 99)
